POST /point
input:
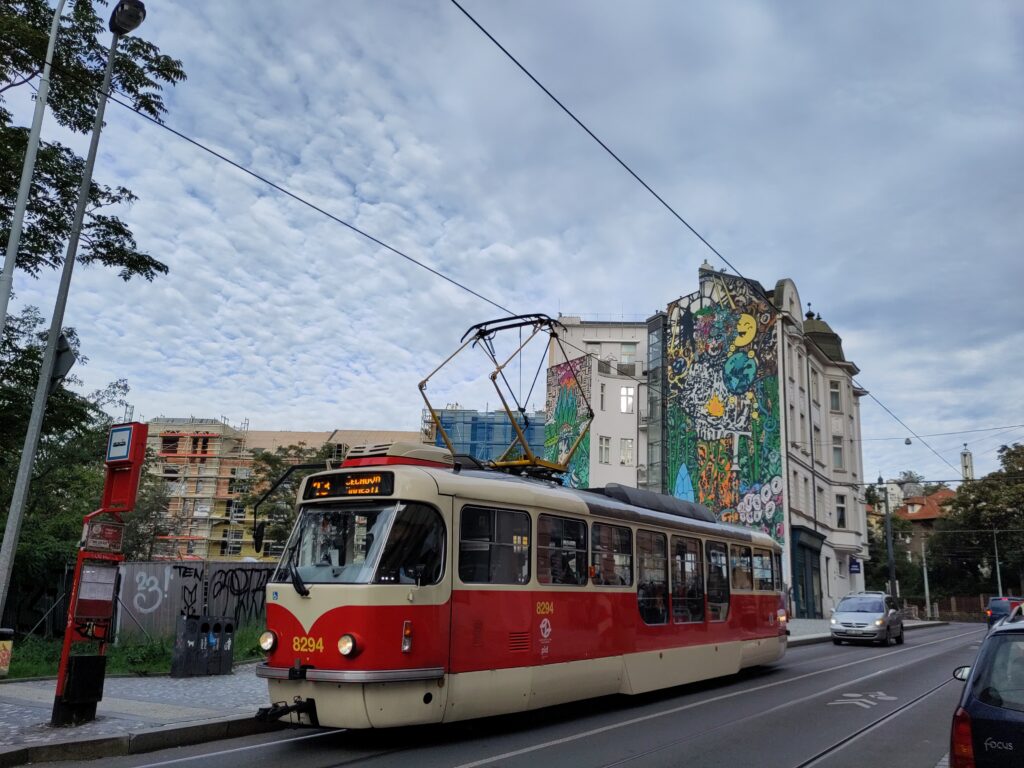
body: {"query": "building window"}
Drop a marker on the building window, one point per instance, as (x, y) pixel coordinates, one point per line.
(626, 451)
(199, 487)
(232, 543)
(604, 450)
(602, 396)
(816, 449)
(840, 510)
(592, 348)
(627, 352)
(168, 444)
(835, 398)
(235, 510)
(626, 399)
(837, 452)
(814, 385)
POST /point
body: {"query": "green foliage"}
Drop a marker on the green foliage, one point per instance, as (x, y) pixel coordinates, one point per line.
(67, 478)
(278, 510)
(140, 73)
(149, 519)
(985, 512)
(37, 657)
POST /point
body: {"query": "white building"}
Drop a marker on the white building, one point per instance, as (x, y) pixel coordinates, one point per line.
(613, 375)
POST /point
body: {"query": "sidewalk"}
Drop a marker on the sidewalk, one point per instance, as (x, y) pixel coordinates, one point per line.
(137, 714)
(141, 714)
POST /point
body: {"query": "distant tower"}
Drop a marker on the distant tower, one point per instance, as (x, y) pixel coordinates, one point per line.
(966, 464)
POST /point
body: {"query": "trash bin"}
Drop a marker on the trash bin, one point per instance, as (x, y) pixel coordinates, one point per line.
(6, 648)
(227, 647)
(219, 641)
(186, 654)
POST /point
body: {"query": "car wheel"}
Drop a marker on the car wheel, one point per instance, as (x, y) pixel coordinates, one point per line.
(900, 638)
(887, 640)
(837, 641)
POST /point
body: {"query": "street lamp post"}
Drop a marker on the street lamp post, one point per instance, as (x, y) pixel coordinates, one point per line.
(27, 169)
(888, 536)
(127, 15)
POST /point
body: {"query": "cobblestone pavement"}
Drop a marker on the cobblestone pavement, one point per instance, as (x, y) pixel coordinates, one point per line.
(129, 704)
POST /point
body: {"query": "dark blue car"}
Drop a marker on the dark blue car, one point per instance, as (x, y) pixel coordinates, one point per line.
(988, 727)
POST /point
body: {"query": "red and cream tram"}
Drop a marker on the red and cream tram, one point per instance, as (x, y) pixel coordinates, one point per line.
(415, 590)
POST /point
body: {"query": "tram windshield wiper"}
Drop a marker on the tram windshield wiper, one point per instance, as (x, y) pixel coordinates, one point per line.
(297, 582)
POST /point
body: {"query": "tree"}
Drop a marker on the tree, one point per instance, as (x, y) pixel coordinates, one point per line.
(67, 479)
(149, 519)
(990, 512)
(140, 73)
(278, 509)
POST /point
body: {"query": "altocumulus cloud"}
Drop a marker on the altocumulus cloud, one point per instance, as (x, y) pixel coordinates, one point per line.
(871, 152)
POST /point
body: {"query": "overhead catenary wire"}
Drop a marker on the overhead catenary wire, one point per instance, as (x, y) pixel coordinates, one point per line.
(661, 199)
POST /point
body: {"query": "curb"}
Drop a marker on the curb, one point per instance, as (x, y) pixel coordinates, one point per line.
(136, 742)
(796, 642)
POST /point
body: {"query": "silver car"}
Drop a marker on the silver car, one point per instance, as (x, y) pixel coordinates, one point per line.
(867, 616)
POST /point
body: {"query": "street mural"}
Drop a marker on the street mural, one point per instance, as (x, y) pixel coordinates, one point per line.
(723, 432)
(567, 411)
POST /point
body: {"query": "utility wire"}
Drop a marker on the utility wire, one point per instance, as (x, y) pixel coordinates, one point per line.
(283, 190)
(660, 199)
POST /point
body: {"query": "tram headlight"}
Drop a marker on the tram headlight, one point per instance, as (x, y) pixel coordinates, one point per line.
(346, 645)
(268, 641)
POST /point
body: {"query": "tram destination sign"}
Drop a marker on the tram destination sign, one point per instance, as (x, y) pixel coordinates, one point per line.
(346, 484)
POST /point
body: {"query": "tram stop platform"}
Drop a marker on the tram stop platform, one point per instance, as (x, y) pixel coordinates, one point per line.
(143, 714)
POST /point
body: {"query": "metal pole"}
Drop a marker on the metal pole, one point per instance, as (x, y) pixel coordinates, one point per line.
(924, 568)
(888, 544)
(35, 422)
(999, 574)
(18, 216)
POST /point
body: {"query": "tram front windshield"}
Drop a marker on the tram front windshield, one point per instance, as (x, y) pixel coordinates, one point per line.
(396, 543)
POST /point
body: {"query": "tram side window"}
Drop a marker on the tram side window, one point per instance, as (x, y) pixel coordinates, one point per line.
(611, 557)
(561, 550)
(652, 577)
(687, 580)
(718, 581)
(415, 550)
(742, 575)
(494, 546)
(763, 570)
(777, 573)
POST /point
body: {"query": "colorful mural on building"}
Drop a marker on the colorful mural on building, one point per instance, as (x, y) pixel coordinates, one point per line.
(723, 432)
(567, 412)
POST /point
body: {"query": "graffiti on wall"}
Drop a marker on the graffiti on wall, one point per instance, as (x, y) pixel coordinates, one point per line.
(153, 595)
(567, 411)
(724, 440)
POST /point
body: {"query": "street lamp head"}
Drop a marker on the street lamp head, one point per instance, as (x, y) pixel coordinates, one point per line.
(127, 16)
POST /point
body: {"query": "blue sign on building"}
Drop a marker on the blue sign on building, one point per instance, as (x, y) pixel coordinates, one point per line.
(854, 565)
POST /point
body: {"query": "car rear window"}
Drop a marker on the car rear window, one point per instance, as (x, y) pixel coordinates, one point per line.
(1000, 681)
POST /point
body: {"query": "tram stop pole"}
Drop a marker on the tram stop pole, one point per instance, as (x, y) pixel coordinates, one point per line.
(89, 626)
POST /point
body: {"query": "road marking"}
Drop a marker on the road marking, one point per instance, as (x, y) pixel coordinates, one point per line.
(262, 745)
(683, 708)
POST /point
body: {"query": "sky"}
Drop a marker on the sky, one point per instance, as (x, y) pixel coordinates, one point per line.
(872, 152)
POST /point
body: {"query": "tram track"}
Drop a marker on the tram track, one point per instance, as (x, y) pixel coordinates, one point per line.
(841, 743)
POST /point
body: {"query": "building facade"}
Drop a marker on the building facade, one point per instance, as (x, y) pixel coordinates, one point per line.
(599, 366)
(206, 465)
(754, 413)
(485, 435)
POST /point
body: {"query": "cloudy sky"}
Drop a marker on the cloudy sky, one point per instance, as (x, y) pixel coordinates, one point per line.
(873, 152)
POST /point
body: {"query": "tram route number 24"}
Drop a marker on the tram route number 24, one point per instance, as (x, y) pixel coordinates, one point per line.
(545, 608)
(306, 644)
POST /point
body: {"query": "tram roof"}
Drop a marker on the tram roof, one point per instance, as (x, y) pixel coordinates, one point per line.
(500, 487)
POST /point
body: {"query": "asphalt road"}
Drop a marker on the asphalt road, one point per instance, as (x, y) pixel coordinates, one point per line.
(821, 705)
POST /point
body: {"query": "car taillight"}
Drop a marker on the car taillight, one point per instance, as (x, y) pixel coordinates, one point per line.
(961, 750)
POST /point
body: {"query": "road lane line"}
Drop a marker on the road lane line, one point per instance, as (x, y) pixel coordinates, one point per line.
(683, 708)
(206, 755)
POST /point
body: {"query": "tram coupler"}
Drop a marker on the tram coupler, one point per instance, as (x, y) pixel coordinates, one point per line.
(279, 709)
